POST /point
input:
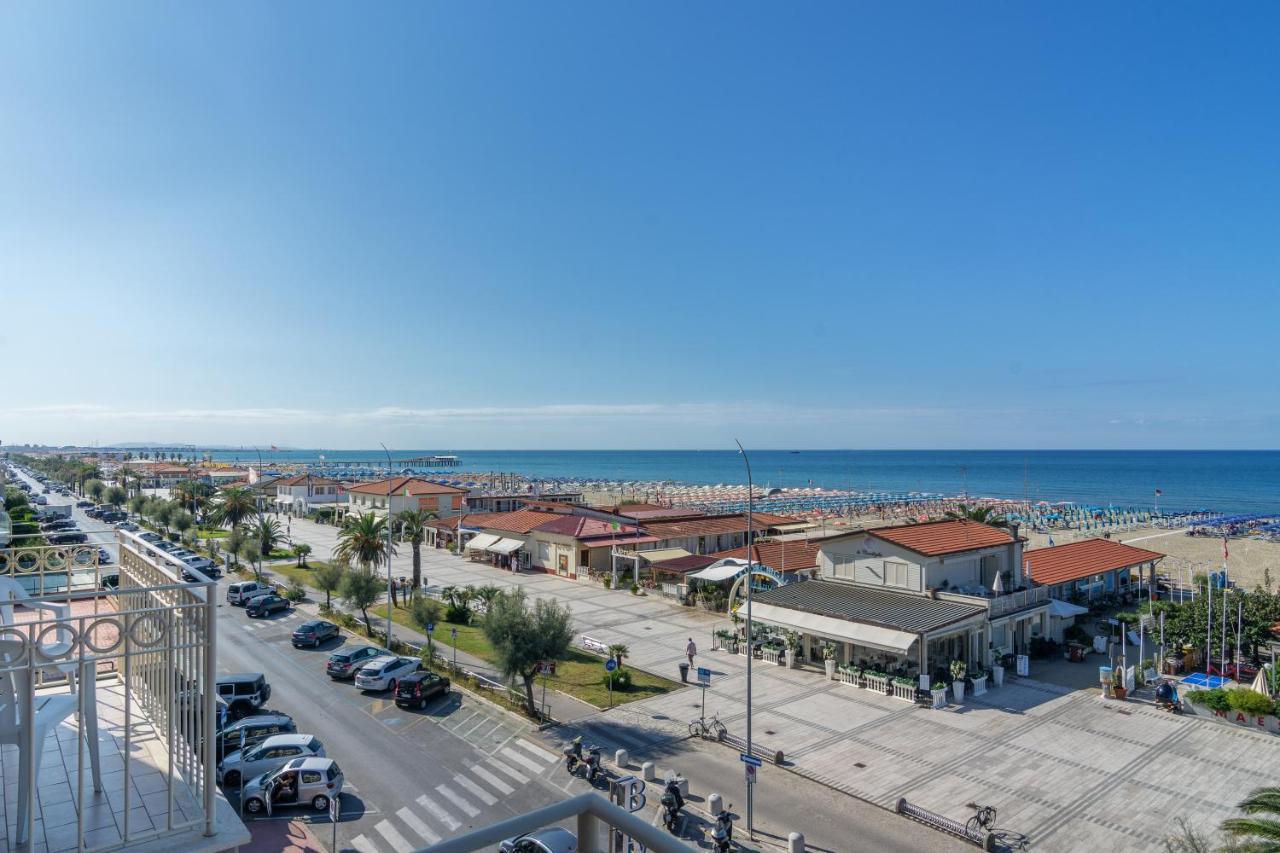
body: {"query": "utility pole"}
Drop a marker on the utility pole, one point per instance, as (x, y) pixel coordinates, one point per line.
(750, 635)
(389, 598)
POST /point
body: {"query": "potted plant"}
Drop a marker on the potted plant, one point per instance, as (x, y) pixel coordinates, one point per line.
(829, 660)
(938, 693)
(978, 680)
(792, 640)
(904, 688)
(957, 679)
(876, 680)
(997, 675)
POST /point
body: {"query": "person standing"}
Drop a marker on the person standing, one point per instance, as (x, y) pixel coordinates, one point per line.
(690, 650)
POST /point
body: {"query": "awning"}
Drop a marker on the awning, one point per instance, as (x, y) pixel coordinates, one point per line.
(793, 527)
(657, 555)
(505, 546)
(885, 639)
(481, 541)
(284, 499)
(720, 572)
(1065, 609)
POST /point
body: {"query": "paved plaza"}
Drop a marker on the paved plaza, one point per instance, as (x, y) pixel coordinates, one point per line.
(1064, 768)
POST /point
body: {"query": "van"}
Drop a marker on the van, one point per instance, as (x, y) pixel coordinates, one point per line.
(241, 592)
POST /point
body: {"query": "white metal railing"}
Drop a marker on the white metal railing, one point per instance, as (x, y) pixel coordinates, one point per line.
(1019, 600)
(142, 654)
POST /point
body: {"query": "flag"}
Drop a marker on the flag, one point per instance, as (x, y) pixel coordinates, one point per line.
(273, 447)
(1159, 493)
(1050, 540)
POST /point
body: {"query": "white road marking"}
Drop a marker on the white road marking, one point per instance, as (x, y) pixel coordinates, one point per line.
(485, 797)
(417, 825)
(457, 800)
(364, 845)
(522, 760)
(394, 838)
(438, 812)
(514, 774)
(539, 751)
(494, 782)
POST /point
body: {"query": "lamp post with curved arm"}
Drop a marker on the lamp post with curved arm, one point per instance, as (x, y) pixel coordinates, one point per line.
(389, 597)
(750, 634)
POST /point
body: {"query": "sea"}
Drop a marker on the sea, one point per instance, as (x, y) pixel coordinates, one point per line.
(1226, 481)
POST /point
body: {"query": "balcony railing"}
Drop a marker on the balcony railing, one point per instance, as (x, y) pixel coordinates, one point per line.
(133, 665)
(999, 605)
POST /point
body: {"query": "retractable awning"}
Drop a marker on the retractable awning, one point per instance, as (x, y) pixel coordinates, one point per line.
(505, 546)
(481, 541)
(885, 639)
(720, 572)
(655, 556)
(1065, 609)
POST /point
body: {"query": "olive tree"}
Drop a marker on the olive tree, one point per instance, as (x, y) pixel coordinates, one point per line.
(523, 637)
(328, 579)
(361, 588)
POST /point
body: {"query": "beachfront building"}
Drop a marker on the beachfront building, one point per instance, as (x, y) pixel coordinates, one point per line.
(912, 599)
(571, 546)
(710, 534)
(513, 502)
(503, 539)
(302, 493)
(404, 493)
(159, 475)
(1091, 568)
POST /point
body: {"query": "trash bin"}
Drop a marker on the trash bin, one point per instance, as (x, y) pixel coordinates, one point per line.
(684, 672)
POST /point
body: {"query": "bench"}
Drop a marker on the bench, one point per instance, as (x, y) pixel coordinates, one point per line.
(593, 645)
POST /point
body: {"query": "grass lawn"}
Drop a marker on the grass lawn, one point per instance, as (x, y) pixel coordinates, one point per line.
(579, 674)
(212, 532)
(291, 571)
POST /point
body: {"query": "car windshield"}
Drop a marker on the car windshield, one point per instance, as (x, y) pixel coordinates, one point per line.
(341, 658)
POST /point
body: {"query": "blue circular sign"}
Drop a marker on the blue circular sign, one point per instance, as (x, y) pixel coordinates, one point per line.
(610, 665)
(431, 628)
(453, 631)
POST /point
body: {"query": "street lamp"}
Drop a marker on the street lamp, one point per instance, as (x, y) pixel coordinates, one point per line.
(750, 634)
(389, 597)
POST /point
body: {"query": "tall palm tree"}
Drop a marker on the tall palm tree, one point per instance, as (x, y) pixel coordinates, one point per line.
(1262, 828)
(266, 533)
(981, 514)
(362, 540)
(413, 529)
(236, 506)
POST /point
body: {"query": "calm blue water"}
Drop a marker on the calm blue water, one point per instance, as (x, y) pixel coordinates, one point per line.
(1229, 481)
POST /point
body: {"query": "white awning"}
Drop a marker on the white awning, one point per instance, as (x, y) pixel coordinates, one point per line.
(1065, 609)
(505, 546)
(655, 556)
(721, 571)
(284, 499)
(481, 541)
(886, 639)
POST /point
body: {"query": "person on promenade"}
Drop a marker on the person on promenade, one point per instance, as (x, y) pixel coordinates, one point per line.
(690, 650)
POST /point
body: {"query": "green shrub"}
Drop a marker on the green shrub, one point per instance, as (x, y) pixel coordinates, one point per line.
(1214, 700)
(458, 613)
(621, 679)
(1249, 701)
(296, 592)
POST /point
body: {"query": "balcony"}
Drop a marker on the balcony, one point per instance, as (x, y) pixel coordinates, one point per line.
(128, 670)
(1004, 603)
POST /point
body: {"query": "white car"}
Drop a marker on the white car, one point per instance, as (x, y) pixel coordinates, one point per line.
(273, 753)
(554, 839)
(383, 673)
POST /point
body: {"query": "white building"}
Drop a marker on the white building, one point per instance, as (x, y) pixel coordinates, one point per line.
(406, 493)
(302, 493)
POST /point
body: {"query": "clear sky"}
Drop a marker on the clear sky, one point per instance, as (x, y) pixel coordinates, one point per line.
(522, 225)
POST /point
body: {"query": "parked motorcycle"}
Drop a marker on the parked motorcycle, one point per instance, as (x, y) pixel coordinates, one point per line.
(1167, 698)
(722, 833)
(572, 754)
(573, 757)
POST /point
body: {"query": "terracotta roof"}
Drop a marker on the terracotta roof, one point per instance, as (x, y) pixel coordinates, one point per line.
(415, 486)
(304, 479)
(670, 513)
(1077, 560)
(684, 565)
(518, 521)
(713, 525)
(791, 556)
(935, 538)
(581, 527)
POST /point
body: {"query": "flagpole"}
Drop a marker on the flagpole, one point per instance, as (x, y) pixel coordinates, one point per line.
(1208, 636)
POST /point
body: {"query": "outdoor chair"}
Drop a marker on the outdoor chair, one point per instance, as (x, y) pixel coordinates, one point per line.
(16, 690)
(11, 594)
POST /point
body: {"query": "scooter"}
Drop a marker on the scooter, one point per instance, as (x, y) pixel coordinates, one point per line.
(722, 833)
(1167, 698)
(572, 755)
(672, 802)
(592, 762)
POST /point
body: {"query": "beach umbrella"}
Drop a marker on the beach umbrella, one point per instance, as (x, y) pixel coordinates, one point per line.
(1260, 684)
(997, 586)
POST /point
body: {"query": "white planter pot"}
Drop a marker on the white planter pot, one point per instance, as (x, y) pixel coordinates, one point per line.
(979, 686)
(957, 687)
(791, 658)
(830, 667)
(939, 695)
(997, 676)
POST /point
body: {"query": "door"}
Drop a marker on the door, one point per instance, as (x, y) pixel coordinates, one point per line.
(562, 564)
(269, 793)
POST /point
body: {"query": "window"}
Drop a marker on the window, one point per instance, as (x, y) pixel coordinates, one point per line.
(895, 574)
(312, 778)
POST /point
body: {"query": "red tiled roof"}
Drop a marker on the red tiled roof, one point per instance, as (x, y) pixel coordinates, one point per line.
(399, 484)
(1077, 560)
(518, 521)
(935, 538)
(779, 556)
(581, 527)
(304, 479)
(684, 565)
(713, 525)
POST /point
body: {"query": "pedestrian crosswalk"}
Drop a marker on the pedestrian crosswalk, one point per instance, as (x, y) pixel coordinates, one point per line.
(446, 808)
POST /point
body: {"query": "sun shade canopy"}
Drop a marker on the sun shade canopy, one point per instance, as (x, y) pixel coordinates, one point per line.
(481, 541)
(505, 546)
(886, 639)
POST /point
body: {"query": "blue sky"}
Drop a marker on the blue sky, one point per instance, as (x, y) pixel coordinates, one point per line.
(514, 225)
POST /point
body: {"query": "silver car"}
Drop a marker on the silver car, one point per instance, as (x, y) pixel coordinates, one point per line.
(302, 782)
(554, 839)
(383, 673)
(274, 752)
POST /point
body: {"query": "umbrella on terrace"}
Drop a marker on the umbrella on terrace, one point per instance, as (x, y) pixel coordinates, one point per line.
(997, 586)
(1260, 684)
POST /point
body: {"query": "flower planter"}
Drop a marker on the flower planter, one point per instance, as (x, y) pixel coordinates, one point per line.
(979, 685)
(771, 655)
(791, 658)
(997, 676)
(850, 678)
(939, 695)
(830, 667)
(906, 692)
(957, 688)
(876, 683)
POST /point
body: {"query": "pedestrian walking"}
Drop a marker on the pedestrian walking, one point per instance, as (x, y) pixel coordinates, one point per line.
(690, 650)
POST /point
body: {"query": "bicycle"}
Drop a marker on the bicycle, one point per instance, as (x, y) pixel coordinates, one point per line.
(711, 729)
(984, 818)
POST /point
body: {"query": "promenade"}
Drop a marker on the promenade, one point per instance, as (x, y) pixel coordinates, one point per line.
(1064, 768)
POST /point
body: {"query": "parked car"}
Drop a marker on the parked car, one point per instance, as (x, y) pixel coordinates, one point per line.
(245, 692)
(242, 592)
(264, 605)
(128, 526)
(67, 539)
(109, 582)
(150, 537)
(273, 753)
(416, 689)
(554, 839)
(104, 556)
(345, 663)
(314, 632)
(384, 673)
(256, 729)
(302, 782)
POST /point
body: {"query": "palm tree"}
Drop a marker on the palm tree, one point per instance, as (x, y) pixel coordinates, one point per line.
(487, 594)
(301, 550)
(619, 651)
(1262, 829)
(981, 514)
(236, 506)
(266, 533)
(413, 529)
(362, 540)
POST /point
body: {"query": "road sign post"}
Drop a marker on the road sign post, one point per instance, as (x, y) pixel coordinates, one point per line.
(335, 812)
(453, 634)
(704, 681)
(609, 666)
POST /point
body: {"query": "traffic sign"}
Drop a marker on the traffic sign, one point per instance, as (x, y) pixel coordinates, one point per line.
(749, 759)
(454, 632)
(431, 627)
(610, 665)
(704, 676)
(751, 773)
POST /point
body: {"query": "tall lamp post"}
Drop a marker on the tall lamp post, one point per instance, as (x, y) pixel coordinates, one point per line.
(750, 633)
(389, 598)
(257, 498)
